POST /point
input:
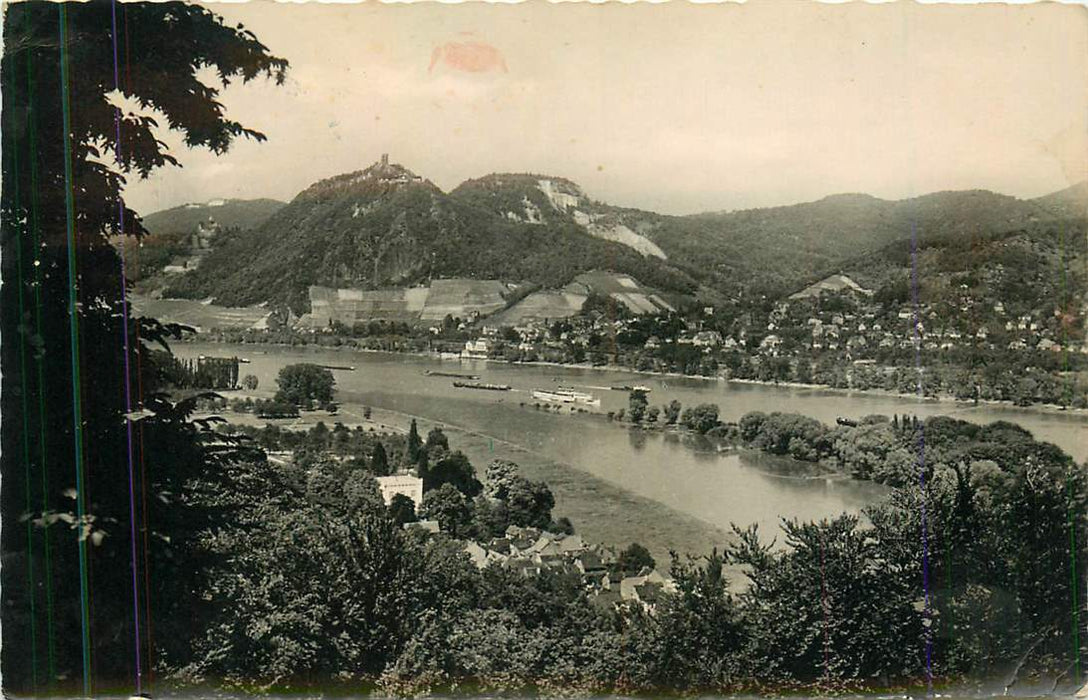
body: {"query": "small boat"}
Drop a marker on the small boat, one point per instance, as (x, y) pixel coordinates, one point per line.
(344, 368)
(482, 385)
(244, 360)
(455, 375)
(637, 387)
(847, 422)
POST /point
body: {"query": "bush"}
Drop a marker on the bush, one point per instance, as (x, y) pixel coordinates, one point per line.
(274, 409)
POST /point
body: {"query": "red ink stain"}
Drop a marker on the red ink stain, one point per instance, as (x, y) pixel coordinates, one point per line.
(468, 56)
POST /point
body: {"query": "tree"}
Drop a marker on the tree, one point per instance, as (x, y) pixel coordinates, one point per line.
(379, 461)
(634, 559)
(672, 412)
(249, 382)
(304, 384)
(453, 469)
(636, 405)
(340, 443)
(828, 606)
(697, 632)
(414, 441)
(437, 440)
(67, 152)
(652, 414)
(701, 418)
(402, 509)
(499, 477)
(319, 437)
(449, 507)
(315, 589)
(530, 503)
(423, 467)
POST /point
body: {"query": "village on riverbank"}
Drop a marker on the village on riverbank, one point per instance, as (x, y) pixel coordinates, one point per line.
(433, 490)
(832, 335)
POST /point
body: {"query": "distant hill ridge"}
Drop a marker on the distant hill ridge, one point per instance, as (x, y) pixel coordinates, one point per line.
(385, 226)
(772, 250)
(243, 213)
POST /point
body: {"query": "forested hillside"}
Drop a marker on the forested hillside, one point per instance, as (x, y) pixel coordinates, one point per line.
(778, 250)
(171, 230)
(1032, 270)
(385, 226)
(240, 213)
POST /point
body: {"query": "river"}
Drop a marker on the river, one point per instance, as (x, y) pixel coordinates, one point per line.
(717, 489)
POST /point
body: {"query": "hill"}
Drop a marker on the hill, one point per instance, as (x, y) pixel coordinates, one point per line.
(171, 230)
(385, 226)
(1072, 202)
(1037, 270)
(766, 252)
(777, 250)
(229, 213)
(542, 199)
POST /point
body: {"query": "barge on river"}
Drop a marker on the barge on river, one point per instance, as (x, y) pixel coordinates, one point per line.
(637, 387)
(482, 385)
(455, 375)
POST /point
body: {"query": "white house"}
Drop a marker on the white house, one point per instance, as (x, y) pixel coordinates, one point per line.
(405, 484)
(476, 350)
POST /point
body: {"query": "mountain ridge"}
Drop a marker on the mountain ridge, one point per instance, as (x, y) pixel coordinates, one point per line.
(386, 226)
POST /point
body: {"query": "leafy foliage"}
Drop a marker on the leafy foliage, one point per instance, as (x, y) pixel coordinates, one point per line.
(634, 559)
(701, 418)
(305, 384)
(67, 152)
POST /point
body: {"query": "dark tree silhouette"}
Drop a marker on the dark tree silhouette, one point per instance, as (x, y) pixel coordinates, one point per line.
(75, 362)
(634, 559)
(379, 462)
(402, 509)
(414, 441)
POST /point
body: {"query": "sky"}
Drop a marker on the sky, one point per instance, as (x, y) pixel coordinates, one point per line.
(677, 108)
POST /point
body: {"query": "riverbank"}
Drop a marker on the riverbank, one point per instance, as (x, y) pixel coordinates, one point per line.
(684, 473)
(945, 399)
(601, 511)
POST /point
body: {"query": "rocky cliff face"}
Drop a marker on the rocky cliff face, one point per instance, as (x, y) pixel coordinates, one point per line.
(538, 199)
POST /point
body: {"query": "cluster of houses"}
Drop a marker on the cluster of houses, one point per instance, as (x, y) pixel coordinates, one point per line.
(529, 551)
(792, 328)
(869, 327)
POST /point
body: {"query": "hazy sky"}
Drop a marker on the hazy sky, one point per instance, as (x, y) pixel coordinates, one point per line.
(677, 108)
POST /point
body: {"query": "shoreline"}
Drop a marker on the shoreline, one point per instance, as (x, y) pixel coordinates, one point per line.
(1040, 408)
(600, 510)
